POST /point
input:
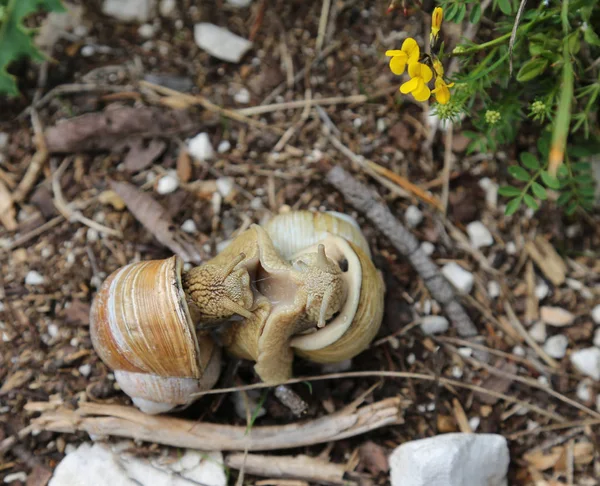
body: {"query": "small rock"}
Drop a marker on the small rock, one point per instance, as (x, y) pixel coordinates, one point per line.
(88, 51)
(465, 352)
(480, 236)
(381, 126)
(453, 459)
(574, 284)
(129, 10)
(410, 359)
(250, 401)
(458, 277)
(542, 290)
(92, 234)
(18, 476)
(34, 278)
(146, 31)
(85, 370)
(3, 140)
(519, 351)
(434, 324)
(538, 331)
(556, 346)
(220, 43)
(474, 423)
(357, 122)
(200, 148)
(167, 7)
(597, 338)
(338, 367)
(457, 372)
(225, 185)
(224, 146)
(242, 96)
(596, 314)
(413, 216)
(491, 191)
(493, 289)
(53, 330)
(428, 248)
(556, 316)
(239, 3)
(587, 361)
(189, 226)
(167, 184)
(584, 392)
(511, 248)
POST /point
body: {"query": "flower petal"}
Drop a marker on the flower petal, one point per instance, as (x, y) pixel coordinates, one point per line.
(393, 52)
(422, 94)
(414, 69)
(410, 85)
(411, 47)
(398, 64)
(426, 73)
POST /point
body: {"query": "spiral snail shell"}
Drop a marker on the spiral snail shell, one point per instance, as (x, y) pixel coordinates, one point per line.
(302, 284)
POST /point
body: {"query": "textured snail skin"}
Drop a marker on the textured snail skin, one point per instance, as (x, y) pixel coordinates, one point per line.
(140, 325)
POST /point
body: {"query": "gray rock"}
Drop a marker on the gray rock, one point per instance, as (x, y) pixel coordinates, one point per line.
(587, 361)
(220, 43)
(129, 10)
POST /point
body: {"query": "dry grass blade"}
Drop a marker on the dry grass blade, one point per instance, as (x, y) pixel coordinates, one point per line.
(513, 35)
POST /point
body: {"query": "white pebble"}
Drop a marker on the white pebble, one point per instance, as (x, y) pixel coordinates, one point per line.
(597, 338)
(479, 235)
(587, 361)
(381, 126)
(34, 278)
(584, 393)
(167, 184)
(556, 346)
(411, 358)
(434, 324)
(465, 352)
(146, 31)
(167, 7)
(556, 316)
(224, 146)
(413, 216)
(92, 234)
(239, 3)
(538, 331)
(596, 314)
(491, 191)
(511, 248)
(53, 330)
(88, 51)
(3, 140)
(85, 370)
(18, 476)
(200, 148)
(129, 10)
(428, 248)
(457, 371)
(458, 277)
(225, 185)
(474, 423)
(542, 380)
(493, 289)
(574, 284)
(242, 96)
(542, 290)
(519, 351)
(74, 342)
(189, 226)
(220, 43)
(357, 122)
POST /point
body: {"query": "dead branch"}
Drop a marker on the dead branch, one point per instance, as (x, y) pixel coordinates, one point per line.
(114, 420)
(366, 201)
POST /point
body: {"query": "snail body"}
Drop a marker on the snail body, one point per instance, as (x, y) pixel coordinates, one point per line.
(302, 284)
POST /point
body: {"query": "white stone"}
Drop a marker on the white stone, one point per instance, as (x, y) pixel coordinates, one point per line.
(200, 148)
(189, 226)
(18, 476)
(225, 185)
(129, 10)
(542, 380)
(53, 330)
(458, 277)
(474, 423)
(357, 122)
(239, 3)
(34, 278)
(242, 96)
(3, 140)
(457, 371)
(411, 358)
(511, 248)
(434, 324)
(250, 401)
(413, 216)
(556, 346)
(220, 43)
(428, 248)
(479, 235)
(456, 459)
(587, 361)
(491, 191)
(146, 31)
(224, 146)
(596, 314)
(584, 392)
(85, 370)
(99, 464)
(167, 184)
(381, 125)
(167, 7)
(574, 284)
(538, 331)
(542, 290)
(556, 316)
(493, 289)
(92, 234)
(519, 351)
(465, 352)
(597, 338)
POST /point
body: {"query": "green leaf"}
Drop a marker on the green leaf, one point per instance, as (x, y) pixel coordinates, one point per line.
(475, 14)
(591, 37)
(581, 167)
(586, 191)
(562, 171)
(519, 173)
(535, 49)
(584, 179)
(309, 386)
(571, 208)
(543, 145)
(505, 6)
(539, 191)
(451, 12)
(529, 161)
(532, 203)
(462, 11)
(550, 181)
(509, 191)
(16, 40)
(564, 198)
(532, 69)
(512, 206)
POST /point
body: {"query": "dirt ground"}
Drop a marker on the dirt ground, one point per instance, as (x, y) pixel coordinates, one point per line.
(68, 230)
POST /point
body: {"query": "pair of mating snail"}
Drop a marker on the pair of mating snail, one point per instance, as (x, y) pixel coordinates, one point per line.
(303, 284)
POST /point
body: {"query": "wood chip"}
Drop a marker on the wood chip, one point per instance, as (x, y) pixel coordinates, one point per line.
(556, 316)
(547, 259)
(497, 383)
(583, 454)
(78, 313)
(16, 380)
(184, 166)
(141, 156)
(373, 457)
(7, 211)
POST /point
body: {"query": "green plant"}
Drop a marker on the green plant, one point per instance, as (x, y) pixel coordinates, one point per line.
(16, 40)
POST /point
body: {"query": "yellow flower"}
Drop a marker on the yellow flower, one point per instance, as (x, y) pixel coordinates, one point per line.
(438, 67)
(441, 91)
(421, 74)
(407, 54)
(436, 23)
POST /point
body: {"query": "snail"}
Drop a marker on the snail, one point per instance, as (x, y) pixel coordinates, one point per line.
(302, 284)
